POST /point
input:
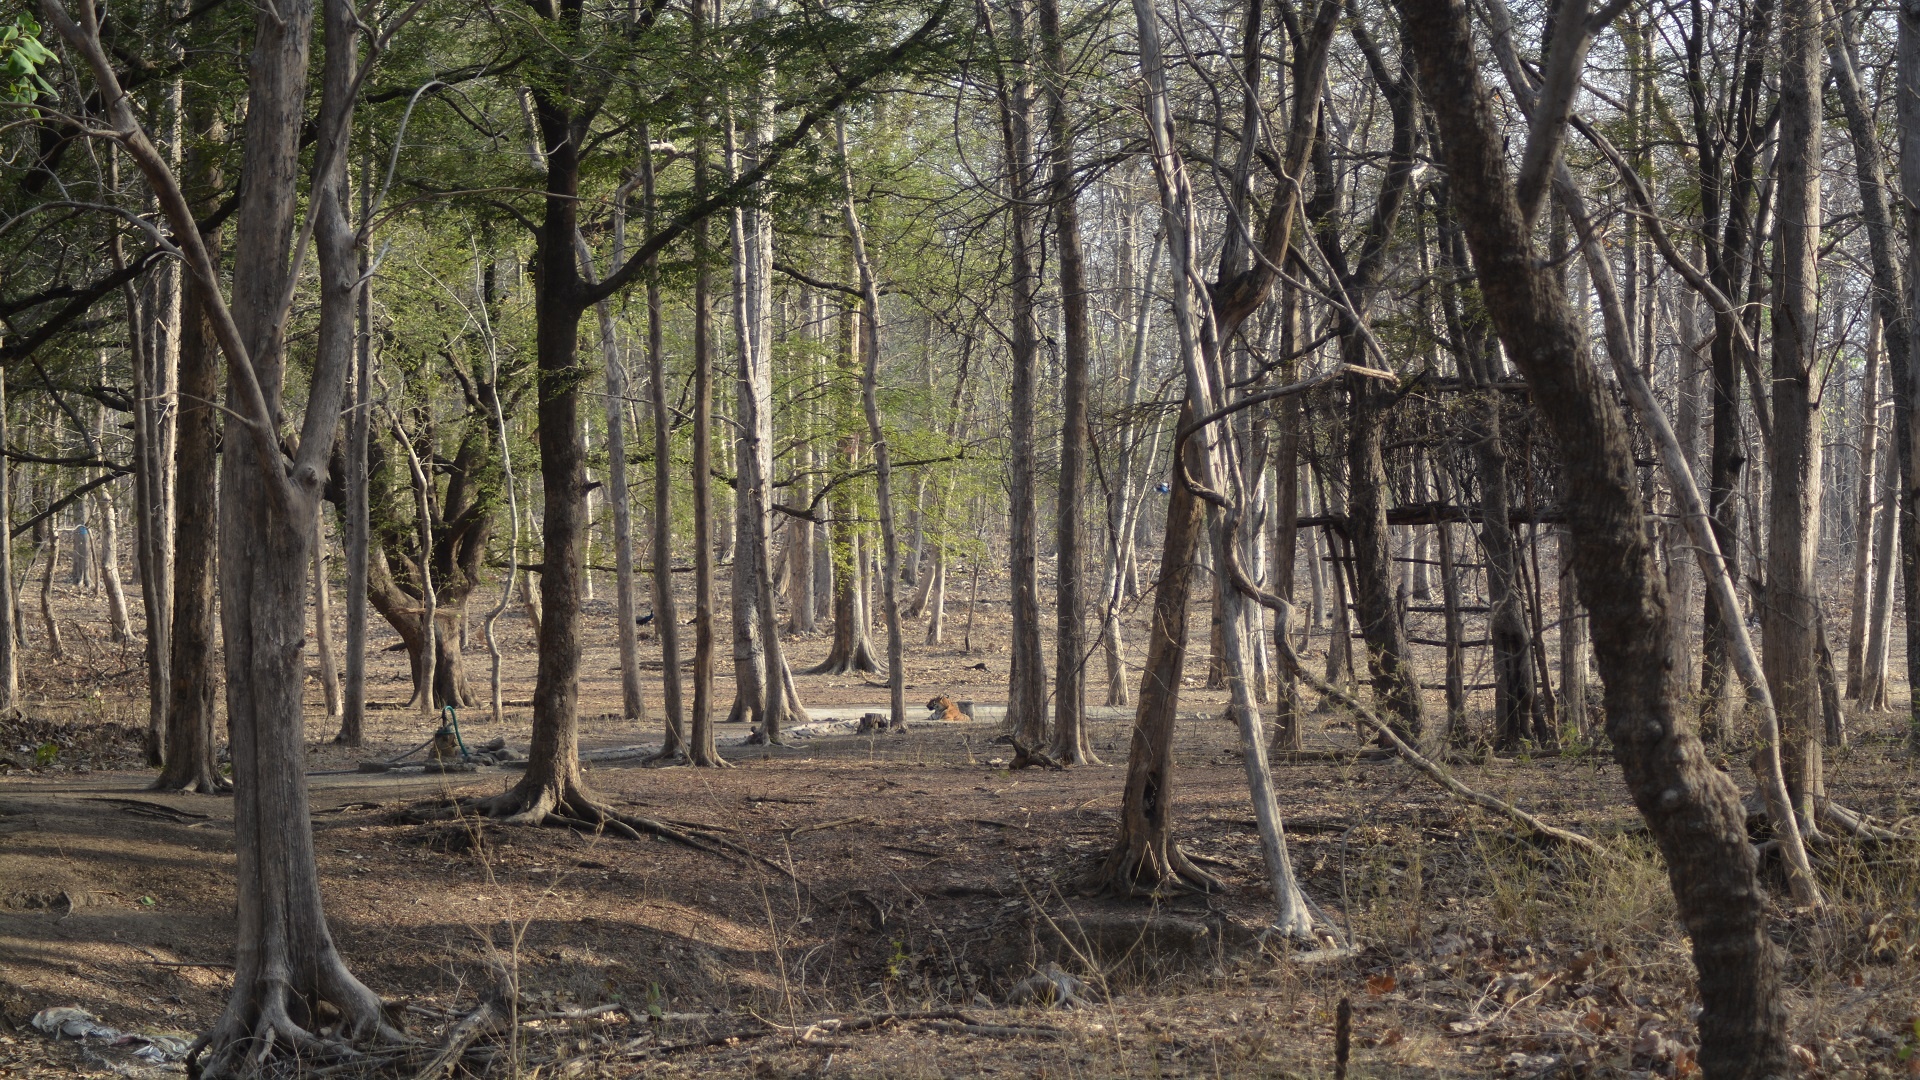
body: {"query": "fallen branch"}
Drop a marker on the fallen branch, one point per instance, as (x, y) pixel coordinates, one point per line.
(1283, 616)
(493, 1016)
(826, 825)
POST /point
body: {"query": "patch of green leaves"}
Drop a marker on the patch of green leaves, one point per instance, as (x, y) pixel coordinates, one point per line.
(21, 59)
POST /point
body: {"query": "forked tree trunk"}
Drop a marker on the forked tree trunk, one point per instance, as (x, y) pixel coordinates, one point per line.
(1692, 810)
(286, 970)
(1729, 263)
(1200, 345)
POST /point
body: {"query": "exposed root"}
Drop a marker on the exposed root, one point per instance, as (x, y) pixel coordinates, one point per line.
(1860, 826)
(259, 1028)
(205, 785)
(1141, 871)
(581, 811)
(1026, 757)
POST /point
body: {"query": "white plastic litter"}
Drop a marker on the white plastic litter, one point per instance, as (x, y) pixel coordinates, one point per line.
(73, 1022)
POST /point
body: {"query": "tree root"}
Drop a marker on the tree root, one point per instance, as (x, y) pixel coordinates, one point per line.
(258, 1027)
(1138, 872)
(1860, 826)
(583, 812)
(216, 785)
(1026, 757)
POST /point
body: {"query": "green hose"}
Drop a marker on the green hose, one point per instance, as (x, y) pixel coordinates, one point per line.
(450, 721)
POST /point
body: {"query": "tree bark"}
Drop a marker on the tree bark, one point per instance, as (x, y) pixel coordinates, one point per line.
(358, 519)
(1866, 505)
(323, 620)
(1144, 857)
(1070, 746)
(190, 674)
(1027, 676)
(1791, 608)
(633, 705)
(701, 750)
(1901, 361)
(9, 603)
(666, 613)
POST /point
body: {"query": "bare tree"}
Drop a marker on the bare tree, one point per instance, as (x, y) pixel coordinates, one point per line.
(1693, 811)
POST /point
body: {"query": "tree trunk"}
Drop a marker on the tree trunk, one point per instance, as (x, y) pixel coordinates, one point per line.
(9, 603)
(51, 549)
(356, 542)
(553, 783)
(1693, 812)
(1144, 857)
(776, 701)
(155, 368)
(1459, 731)
(323, 620)
(1901, 361)
(1873, 696)
(633, 705)
(1865, 507)
(190, 674)
(666, 613)
(1070, 746)
(937, 601)
(801, 601)
(882, 452)
(1027, 677)
(1730, 258)
(1791, 610)
(701, 751)
(1574, 644)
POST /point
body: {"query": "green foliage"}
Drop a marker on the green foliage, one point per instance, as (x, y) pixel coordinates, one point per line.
(21, 59)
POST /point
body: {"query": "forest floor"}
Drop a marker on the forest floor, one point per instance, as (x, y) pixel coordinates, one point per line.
(905, 889)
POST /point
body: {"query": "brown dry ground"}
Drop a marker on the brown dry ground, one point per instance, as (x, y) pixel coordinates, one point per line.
(915, 876)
